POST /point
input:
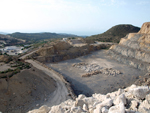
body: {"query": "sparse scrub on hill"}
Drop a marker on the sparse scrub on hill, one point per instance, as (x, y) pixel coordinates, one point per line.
(114, 34)
(18, 67)
(5, 58)
(35, 37)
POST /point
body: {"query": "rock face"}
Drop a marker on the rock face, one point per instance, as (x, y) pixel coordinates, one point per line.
(62, 50)
(134, 49)
(130, 100)
(145, 28)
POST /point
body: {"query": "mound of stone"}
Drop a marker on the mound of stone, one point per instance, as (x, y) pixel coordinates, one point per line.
(94, 69)
(133, 99)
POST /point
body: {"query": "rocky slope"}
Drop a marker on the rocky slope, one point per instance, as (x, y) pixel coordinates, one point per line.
(134, 49)
(130, 100)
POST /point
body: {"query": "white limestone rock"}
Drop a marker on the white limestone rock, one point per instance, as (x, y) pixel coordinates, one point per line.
(148, 98)
(144, 107)
(90, 100)
(79, 103)
(57, 109)
(42, 109)
(134, 105)
(85, 108)
(120, 99)
(130, 88)
(104, 110)
(117, 109)
(114, 102)
(100, 97)
(77, 110)
(120, 91)
(81, 96)
(97, 110)
(140, 92)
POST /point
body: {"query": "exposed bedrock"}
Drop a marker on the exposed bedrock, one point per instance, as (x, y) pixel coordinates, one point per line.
(134, 49)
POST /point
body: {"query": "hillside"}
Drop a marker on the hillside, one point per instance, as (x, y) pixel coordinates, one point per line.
(114, 34)
(32, 37)
(8, 40)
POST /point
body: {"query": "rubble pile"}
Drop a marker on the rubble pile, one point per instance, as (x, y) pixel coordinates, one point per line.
(133, 99)
(94, 69)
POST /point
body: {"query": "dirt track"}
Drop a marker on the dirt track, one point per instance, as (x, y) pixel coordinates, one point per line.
(61, 92)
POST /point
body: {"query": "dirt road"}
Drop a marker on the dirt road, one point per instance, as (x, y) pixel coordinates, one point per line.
(61, 92)
(24, 56)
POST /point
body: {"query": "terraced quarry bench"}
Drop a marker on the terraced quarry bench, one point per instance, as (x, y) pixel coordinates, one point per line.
(134, 49)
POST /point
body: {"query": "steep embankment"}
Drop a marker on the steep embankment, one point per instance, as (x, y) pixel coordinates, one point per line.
(25, 91)
(114, 34)
(134, 49)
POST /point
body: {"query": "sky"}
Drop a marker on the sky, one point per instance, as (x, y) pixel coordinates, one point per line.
(80, 17)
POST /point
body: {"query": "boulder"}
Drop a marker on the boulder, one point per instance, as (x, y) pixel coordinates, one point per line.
(80, 103)
(148, 98)
(144, 107)
(117, 109)
(57, 109)
(104, 110)
(134, 105)
(85, 108)
(42, 109)
(120, 99)
(140, 92)
(76, 110)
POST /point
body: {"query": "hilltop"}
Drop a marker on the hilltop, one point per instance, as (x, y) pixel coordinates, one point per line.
(8, 40)
(114, 34)
(32, 37)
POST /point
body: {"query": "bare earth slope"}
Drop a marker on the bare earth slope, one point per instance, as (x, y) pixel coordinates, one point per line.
(25, 90)
(61, 92)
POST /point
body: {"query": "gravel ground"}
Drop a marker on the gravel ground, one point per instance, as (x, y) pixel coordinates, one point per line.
(100, 83)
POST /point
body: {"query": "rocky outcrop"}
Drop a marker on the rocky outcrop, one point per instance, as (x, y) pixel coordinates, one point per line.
(134, 49)
(62, 50)
(130, 100)
(145, 28)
